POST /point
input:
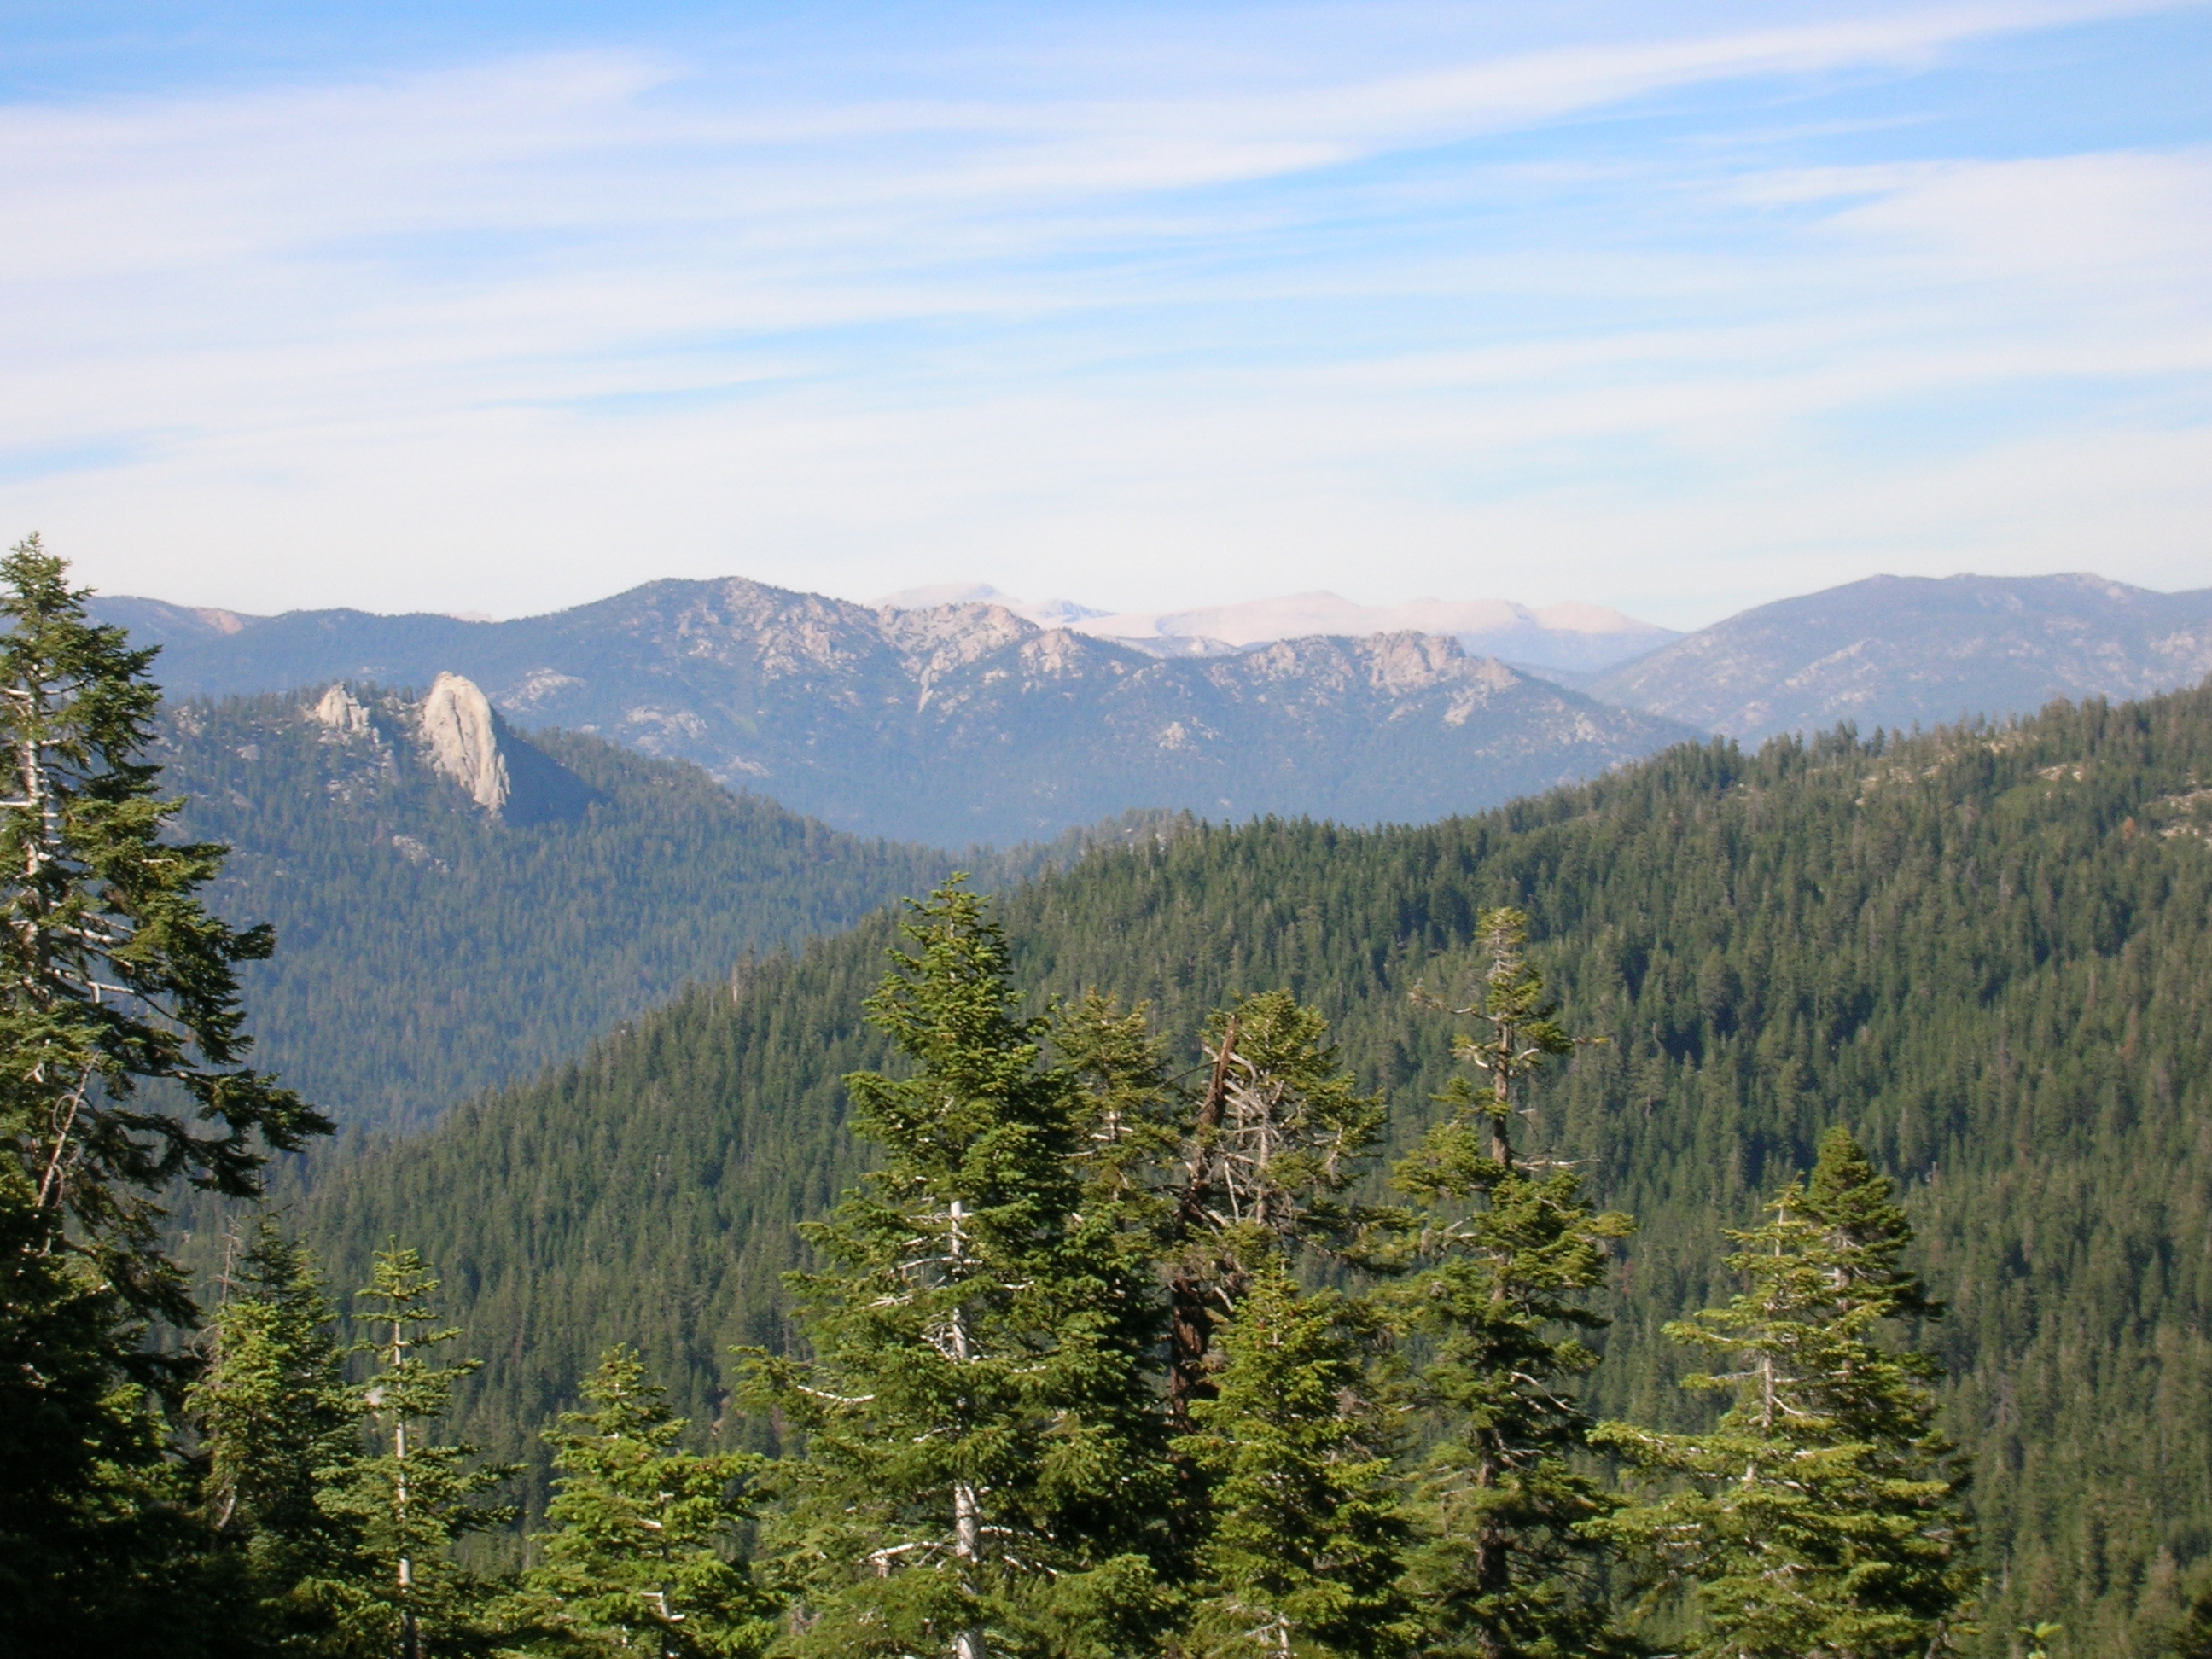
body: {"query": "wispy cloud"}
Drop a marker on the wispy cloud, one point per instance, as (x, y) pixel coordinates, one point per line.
(1374, 319)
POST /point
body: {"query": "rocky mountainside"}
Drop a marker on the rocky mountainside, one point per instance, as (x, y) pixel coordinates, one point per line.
(958, 723)
(456, 906)
(1898, 651)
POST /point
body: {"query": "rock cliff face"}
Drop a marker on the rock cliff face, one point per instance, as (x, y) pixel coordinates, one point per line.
(455, 732)
(1897, 651)
(460, 737)
(956, 723)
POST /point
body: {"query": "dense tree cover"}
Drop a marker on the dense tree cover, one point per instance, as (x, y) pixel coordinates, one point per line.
(470, 949)
(122, 1073)
(984, 1465)
(1983, 950)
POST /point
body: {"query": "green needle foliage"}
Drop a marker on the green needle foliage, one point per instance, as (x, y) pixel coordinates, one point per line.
(982, 1471)
(1307, 1534)
(415, 1497)
(276, 1431)
(112, 975)
(121, 1074)
(1825, 1515)
(1506, 1253)
(639, 1560)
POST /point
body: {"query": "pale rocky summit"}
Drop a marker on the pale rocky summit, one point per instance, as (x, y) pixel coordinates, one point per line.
(461, 736)
(344, 714)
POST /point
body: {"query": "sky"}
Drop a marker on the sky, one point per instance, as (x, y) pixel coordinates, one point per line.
(1674, 308)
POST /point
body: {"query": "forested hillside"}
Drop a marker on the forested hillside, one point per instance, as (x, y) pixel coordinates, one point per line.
(429, 948)
(1984, 952)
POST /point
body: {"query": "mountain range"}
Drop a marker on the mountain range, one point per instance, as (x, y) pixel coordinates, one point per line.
(945, 716)
(1905, 651)
(961, 723)
(1575, 637)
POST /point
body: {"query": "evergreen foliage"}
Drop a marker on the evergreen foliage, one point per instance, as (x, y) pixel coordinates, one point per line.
(639, 1558)
(1303, 1552)
(1506, 1253)
(1260, 1174)
(115, 974)
(1824, 1514)
(276, 1431)
(469, 949)
(121, 1075)
(414, 1496)
(1984, 949)
(982, 1471)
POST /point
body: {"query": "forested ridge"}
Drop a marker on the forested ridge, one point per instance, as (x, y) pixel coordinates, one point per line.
(1982, 950)
(467, 949)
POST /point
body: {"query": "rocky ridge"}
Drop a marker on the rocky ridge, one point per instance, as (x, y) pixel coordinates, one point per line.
(964, 722)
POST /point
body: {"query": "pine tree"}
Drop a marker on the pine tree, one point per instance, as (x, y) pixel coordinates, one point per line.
(1824, 1514)
(982, 1469)
(415, 1497)
(121, 1074)
(638, 1560)
(1512, 1252)
(1304, 1552)
(276, 1431)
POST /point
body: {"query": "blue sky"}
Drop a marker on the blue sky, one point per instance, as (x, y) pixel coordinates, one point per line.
(1678, 309)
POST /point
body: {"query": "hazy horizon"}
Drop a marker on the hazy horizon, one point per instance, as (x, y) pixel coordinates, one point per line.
(1675, 312)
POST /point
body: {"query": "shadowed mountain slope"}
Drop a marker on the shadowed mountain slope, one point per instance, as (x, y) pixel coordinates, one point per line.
(456, 906)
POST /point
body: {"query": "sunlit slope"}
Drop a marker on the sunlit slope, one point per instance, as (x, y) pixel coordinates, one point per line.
(1987, 952)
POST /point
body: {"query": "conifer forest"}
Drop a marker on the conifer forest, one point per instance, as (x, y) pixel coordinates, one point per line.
(1752, 1205)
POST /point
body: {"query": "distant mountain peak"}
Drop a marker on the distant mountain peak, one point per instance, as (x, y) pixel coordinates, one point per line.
(1904, 651)
(1045, 613)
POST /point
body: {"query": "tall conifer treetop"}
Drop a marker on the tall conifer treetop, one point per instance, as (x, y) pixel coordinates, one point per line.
(416, 1495)
(638, 1558)
(983, 1471)
(1824, 1514)
(1506, 1255)
(1307, 1536)
(111, 973)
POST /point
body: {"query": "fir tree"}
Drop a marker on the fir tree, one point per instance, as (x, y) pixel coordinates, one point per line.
(639, 1559)
(1507, 1252)
(277, 1430)
(1825, 1515)
(982, 1471)
(1304, 1555)
(121, 1074)
(99, 1553)
(114, 975)
(414, 1496)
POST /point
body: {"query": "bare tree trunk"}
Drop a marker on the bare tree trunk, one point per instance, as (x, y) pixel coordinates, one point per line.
(1190, 1315)
(967, 1508)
